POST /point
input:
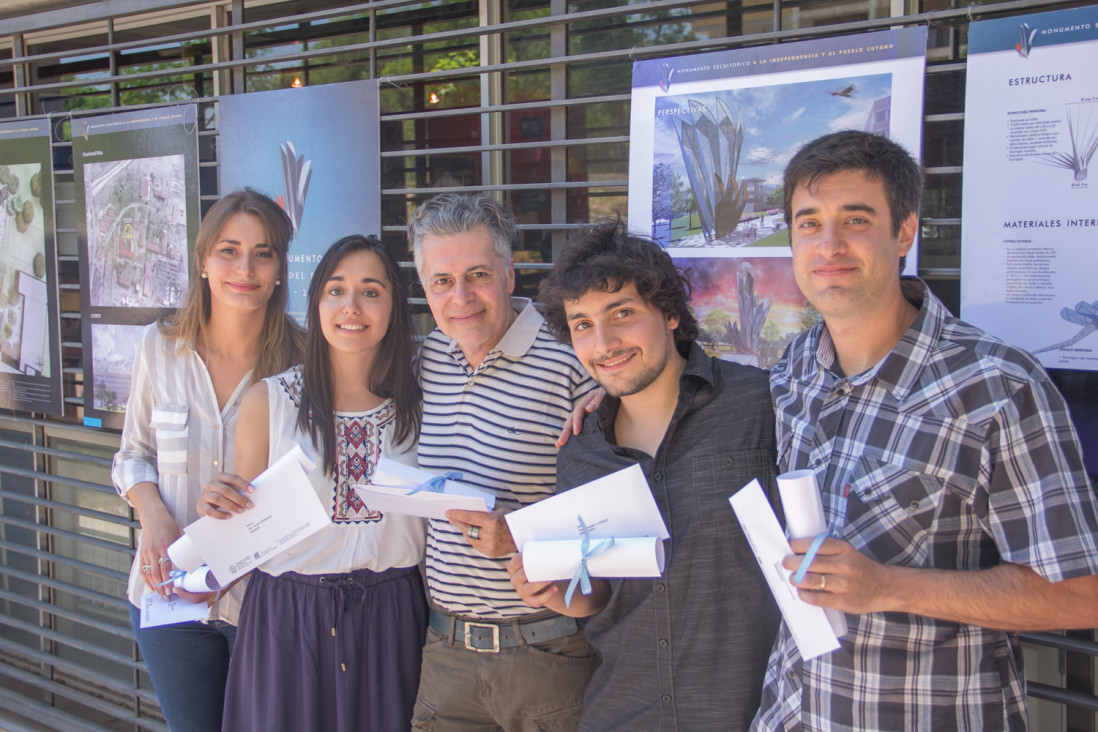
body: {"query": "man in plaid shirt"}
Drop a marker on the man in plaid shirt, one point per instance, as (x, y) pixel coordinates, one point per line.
(949, 469)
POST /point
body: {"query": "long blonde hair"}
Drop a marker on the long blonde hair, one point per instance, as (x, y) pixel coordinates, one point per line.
(282, 341)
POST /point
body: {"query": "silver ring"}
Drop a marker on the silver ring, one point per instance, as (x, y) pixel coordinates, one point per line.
(474, 532)
(164, 560)
(146, 568)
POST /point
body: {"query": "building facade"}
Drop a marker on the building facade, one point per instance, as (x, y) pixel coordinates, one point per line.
(526, 99)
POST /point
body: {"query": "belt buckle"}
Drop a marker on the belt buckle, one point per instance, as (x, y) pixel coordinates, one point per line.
(469, 638)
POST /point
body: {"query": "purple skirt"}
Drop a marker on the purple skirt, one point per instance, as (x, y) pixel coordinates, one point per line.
(327, 652)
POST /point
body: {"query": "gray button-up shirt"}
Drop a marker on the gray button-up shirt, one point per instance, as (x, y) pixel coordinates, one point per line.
(686, 651)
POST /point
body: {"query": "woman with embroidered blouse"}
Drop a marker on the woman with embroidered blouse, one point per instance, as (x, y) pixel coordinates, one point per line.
(331, 629)
(190, 373)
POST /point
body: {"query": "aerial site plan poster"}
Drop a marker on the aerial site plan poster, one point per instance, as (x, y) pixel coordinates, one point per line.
(1030, 204)
(316, 151)
(136, 179)
(30, 342)
(710, 136)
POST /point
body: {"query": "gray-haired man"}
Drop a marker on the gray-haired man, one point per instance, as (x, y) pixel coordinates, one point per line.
(496, 389)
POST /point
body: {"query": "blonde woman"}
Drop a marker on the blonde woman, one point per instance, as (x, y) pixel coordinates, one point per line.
(190, 373)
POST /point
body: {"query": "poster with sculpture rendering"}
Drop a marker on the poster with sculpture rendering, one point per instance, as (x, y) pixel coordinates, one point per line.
(1030, 201)
(30, 340)
(136, 180)
(710, 136)
(316, 151)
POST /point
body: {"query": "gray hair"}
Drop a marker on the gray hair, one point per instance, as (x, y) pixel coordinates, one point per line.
(456, 213)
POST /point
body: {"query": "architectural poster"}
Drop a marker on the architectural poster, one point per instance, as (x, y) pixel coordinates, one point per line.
(30, 340)
(316, 151)
(710, 136)
(1030, 202)
(136, 179)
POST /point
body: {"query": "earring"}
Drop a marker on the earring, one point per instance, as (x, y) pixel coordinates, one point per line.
(204, 276)
(278, 282)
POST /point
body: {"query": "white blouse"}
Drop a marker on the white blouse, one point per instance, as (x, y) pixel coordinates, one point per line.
(358, 536)
(177, 438)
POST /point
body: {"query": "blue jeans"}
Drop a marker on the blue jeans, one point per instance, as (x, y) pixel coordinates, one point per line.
(188, 664)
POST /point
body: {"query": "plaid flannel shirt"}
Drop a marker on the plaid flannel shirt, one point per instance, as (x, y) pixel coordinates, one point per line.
(954, 452)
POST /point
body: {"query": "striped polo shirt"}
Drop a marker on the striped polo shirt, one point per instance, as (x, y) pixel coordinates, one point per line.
(497, 425)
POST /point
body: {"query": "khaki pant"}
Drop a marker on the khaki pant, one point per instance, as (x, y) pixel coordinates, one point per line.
(533, 688)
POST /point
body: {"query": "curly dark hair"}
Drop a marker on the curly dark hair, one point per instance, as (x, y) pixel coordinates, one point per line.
(606, 258)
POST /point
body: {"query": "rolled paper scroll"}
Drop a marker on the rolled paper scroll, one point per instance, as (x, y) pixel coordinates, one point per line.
(548, 561)
(184, 554)
(804, 519)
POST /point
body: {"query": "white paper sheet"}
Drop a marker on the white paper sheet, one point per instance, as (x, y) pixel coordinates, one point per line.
(618, 505)
(804, 519)
(807, 623)
(286, 511)
(156, 611)
(389, 486)
(549, 561)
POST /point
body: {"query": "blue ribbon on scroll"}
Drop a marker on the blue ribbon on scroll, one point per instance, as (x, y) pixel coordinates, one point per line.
(802, 569)
(173, 575)
(436, 484)
(582, 577)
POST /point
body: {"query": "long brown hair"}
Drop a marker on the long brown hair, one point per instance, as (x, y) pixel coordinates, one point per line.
(391, 375)
(282, 341)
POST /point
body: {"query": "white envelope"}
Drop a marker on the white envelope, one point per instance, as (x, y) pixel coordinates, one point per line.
(392, 481)
(286, 511)
(156, 611)
(618, 505)
(807, 623)
(549, 561)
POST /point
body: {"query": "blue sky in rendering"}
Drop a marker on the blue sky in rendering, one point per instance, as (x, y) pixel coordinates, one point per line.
(778, 119)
